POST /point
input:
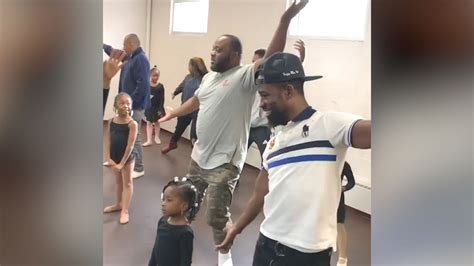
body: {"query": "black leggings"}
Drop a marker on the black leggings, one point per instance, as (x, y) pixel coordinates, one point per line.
(183, 122)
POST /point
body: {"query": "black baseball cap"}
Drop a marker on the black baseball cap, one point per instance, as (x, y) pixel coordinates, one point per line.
(281, 67)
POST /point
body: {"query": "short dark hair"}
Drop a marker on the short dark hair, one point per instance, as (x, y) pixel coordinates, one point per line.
(260, 52)
(235, 43)
(296, 83)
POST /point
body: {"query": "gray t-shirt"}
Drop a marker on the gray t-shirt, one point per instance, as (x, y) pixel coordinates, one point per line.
(223, 123)
(258, 118)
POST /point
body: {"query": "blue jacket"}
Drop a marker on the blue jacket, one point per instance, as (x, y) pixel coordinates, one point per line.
(135, 78)
(188, 86)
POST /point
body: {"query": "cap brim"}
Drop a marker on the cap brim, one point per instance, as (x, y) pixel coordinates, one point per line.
(308, 78)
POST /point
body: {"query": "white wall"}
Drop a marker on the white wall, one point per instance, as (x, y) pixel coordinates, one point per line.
(345, 65)
(120, 18)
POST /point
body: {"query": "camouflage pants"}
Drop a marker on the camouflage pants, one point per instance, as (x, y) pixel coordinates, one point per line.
(216, 187)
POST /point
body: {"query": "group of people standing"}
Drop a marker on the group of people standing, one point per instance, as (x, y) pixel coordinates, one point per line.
(299, 186)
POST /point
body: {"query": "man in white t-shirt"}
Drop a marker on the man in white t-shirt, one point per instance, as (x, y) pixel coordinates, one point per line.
(224, 100)
(299, 186)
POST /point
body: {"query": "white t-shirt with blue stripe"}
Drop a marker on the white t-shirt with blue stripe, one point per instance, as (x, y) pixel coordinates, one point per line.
(304, 160)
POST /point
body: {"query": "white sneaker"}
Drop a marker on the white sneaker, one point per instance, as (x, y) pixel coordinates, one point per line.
(342, 262)
(138, 174)
(224, 259)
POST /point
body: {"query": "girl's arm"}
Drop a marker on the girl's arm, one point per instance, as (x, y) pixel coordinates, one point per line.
(107, 145)
(161, 97)
(132, 136)
(186, 249)
(153, 261)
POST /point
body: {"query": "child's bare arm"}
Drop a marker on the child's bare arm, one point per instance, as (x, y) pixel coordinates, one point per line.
(107, 145)
(132, 136)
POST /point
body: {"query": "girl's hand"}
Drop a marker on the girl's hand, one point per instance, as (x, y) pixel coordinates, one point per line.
(111, 163)
(118, 167)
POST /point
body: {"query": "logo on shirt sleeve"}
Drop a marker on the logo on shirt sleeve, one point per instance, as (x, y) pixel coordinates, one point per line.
(271, 144)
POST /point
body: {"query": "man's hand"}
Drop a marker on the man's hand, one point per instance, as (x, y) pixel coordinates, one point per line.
(299, 45)
(231, 232)
(112, 65)
(293, 10)
(168, 115)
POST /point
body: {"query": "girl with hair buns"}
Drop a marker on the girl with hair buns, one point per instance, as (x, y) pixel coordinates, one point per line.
(174, 238)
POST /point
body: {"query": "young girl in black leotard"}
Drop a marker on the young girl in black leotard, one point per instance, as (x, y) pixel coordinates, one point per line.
(156, 109)
(121, 135)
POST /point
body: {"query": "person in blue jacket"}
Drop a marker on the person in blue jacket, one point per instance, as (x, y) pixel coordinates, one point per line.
(135, 81)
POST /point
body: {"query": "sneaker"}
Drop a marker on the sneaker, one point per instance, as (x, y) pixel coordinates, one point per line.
(136, 174)
(171, 146)
(342, 262)
(146, 144)
(224, 259)
(157, 140)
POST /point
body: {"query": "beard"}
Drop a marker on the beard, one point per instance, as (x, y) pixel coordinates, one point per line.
(218, 67)
(221, 65)
(277, 118)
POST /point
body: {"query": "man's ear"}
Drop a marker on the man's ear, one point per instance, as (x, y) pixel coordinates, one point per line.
(289, 91)
(235, 55)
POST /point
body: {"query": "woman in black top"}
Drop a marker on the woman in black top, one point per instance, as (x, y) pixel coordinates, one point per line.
(197, 69)
(156, 109)
(341, 216)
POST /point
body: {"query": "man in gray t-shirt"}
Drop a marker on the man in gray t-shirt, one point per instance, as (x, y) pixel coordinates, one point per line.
(224, 100)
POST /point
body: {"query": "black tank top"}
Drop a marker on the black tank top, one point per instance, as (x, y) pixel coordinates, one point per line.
(118, 141)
